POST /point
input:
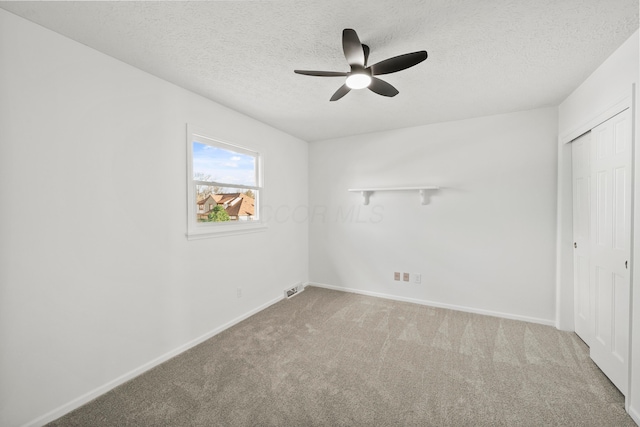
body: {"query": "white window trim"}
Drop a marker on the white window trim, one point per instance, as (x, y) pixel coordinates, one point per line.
(198, 230)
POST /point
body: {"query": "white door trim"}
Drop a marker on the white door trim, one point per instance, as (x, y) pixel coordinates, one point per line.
(596, 120)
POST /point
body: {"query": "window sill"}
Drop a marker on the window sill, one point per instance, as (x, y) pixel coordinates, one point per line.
(221, 230)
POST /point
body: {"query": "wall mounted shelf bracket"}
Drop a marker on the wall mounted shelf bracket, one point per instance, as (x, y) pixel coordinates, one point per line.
(366, 195)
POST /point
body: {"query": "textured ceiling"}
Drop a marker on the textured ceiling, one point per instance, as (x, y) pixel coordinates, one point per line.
(485, 57)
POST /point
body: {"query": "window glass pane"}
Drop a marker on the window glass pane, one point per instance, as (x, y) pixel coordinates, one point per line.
(221, 204)
(221, 165)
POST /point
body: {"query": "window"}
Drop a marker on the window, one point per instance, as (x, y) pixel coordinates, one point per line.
(219, 173)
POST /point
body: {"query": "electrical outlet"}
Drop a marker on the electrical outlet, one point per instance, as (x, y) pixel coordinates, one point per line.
(396, 275)
(405, 277)
(239, 292)
(417, 278)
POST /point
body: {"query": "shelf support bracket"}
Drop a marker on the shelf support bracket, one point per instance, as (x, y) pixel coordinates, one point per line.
(424, 197)
(366, 195)
(426, 193)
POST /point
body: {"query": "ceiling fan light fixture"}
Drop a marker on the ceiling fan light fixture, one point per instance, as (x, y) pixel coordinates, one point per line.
(358, 80)
(361, 74)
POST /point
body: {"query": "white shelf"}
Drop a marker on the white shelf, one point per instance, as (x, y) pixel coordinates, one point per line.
(424, 196)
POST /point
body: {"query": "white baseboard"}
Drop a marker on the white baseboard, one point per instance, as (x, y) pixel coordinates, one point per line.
(438, 304)
(87, 397)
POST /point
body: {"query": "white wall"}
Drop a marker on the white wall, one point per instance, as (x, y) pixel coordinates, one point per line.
(486, 241)
(593, 101)
(97, 278)
(610, 82)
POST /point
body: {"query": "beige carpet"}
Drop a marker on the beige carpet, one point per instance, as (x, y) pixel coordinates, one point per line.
(328, 358)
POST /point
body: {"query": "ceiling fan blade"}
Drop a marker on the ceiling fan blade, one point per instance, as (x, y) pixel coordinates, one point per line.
(321, 73)
(382, 88)
(344, 89)
(398, 63)
(352, 47)
(366, 50)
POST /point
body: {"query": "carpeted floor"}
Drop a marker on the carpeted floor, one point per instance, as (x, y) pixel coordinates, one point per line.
(328, 358)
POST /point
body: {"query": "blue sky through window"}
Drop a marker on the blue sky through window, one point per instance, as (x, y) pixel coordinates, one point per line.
(224, 166)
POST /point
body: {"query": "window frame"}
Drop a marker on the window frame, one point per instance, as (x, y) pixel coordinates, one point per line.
(203, 230)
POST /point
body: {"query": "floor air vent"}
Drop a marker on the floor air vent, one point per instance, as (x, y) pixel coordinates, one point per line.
(288, 293)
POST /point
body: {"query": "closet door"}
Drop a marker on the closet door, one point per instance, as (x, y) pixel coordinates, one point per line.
(611, 246)
(581, 170)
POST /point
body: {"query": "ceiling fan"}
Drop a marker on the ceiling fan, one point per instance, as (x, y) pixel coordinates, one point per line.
(362, 76)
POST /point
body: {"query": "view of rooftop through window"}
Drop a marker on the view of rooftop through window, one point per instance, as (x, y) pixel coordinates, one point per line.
(217, 171)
